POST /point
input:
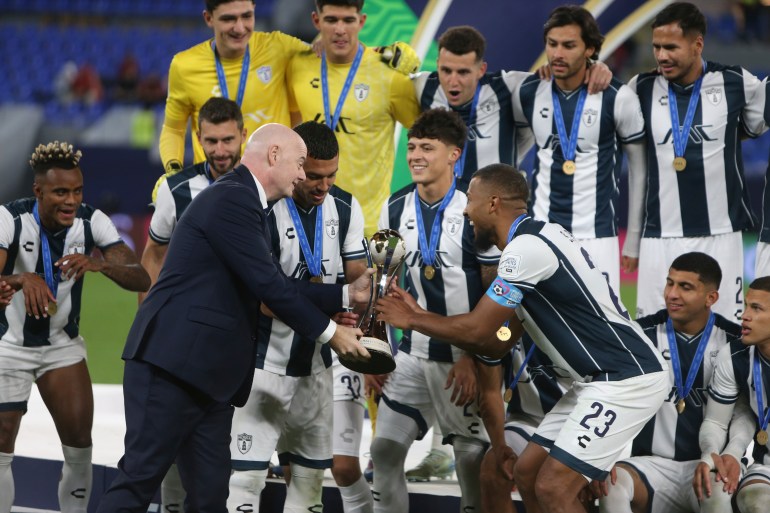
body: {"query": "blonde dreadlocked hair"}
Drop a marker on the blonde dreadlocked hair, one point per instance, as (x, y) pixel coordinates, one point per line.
(55, 154)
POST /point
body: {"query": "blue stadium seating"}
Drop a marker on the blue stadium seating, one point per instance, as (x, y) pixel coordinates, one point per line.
(138, 8)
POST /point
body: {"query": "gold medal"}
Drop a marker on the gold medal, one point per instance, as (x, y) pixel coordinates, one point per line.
(508, 395)
(52, 308)
(762, 437)
(680, 163)
(680, 406)
(429, 271)
(504, 334)
(317, 279)
(568, 167)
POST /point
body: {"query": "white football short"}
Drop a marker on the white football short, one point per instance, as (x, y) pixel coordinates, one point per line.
(668, 482)
(605, 255)
(519, 429)
(348, 384)
(656, 255)
(416, 389)
(291, 415)
(348, 425)
(21, 366)
(756, 472)
(591, 425)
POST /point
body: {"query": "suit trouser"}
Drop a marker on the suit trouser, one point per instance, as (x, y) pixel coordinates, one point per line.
(168, 420)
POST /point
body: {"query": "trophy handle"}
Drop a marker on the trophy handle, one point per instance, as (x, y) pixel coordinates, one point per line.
(372, 290)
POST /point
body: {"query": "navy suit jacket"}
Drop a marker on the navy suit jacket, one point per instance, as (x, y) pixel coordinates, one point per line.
(198, 322)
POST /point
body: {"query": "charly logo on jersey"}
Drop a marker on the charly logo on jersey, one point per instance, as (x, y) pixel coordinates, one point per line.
(511, 265)
(714, 95)
(361, 91)
(28, 246)
(452, 224)
(590, 116)
(663, 101)
(265, 73)
(332, 228)
(244, 442)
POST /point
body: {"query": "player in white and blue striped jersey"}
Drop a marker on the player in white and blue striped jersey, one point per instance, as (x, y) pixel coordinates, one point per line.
(566, 305)
(658, 476)
(742, 373)
(694, 193)
(45, 247)
(481, 98)
(220, 133)
(762, 261)
(290, 408)
(444, 273)
(580, 140)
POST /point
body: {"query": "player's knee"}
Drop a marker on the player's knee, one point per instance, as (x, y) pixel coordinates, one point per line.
(488, 468)
(345, 471)
(249, 481)
(9, 428)
(386, 452)
(753, 498)
(525, 474)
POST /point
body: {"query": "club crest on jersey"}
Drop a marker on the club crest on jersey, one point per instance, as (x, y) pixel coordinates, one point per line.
(589, 117)
(489, 106)
(76, 248)
(332, 228)
(244, 442)
(511, 265)
(714, 95)
(361, 91)
(452, 224)
(265, 73)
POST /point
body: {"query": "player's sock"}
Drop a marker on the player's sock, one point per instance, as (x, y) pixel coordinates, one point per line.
(754, 498)
(304, 491)
(468, 456)
(357, 498)
(245, 489)
(76, 478)
(620, 494)
(172, 492)
(6, 482)
(389, 488)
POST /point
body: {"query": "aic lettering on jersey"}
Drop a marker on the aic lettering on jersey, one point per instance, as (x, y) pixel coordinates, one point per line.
(341, 126)
(301, 272)
(414, 259)
(697, 135)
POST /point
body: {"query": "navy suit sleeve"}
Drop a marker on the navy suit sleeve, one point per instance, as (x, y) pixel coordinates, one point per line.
(237, 230)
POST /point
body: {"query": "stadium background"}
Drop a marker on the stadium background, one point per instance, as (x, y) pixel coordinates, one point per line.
(119, 136)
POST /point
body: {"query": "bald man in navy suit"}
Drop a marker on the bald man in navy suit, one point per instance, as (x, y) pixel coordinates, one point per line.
(191, 350)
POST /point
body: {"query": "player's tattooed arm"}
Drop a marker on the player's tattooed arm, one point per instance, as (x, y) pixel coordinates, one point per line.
(119, 264)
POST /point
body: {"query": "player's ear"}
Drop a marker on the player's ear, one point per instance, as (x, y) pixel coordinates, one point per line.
(207, 18)
(712, 298)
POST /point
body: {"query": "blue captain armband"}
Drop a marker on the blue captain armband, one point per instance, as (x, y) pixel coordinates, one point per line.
(505, 294)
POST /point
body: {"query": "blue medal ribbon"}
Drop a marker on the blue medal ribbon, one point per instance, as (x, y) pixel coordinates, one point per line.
(763, 417)
(517, 377)
(207, 172)
(223, 80)
(50, 279)
(568, 142)
(331, 122)
(515, 225)
(428, 249)
(683, 391)
(460, 164)
(314, 257)
(681, 134)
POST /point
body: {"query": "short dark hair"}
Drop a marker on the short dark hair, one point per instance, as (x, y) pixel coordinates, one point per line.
(220, 110)
(510, 182)
(358, 4)
(213, 4)
(576, 15)
(320, 140)
(54, 155)
(703, 265)
(463, 39)
(686, 15)
(442, 124)
(761, 283)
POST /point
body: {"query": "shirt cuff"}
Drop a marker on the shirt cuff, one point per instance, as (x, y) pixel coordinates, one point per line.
(328, 333)
(345, 297)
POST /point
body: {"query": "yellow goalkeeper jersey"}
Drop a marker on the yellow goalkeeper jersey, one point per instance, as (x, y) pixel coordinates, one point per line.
(378, 97)
(192, 80)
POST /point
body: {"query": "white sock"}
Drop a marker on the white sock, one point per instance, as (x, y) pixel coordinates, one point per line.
(389, 489)
(620, 495)
(357, 498)
(172, 492)
(305, 489)
(468, 456)
(754, 498)
(437, 441)
(76, 479)
(245, 489)
(6, 482)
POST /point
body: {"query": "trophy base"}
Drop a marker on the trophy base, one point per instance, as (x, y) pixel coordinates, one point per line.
(381, 362)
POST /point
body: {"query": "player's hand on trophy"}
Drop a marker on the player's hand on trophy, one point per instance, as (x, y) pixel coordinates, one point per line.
(346, 319)
(395, 309)
(360, 290)
(345, 343)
